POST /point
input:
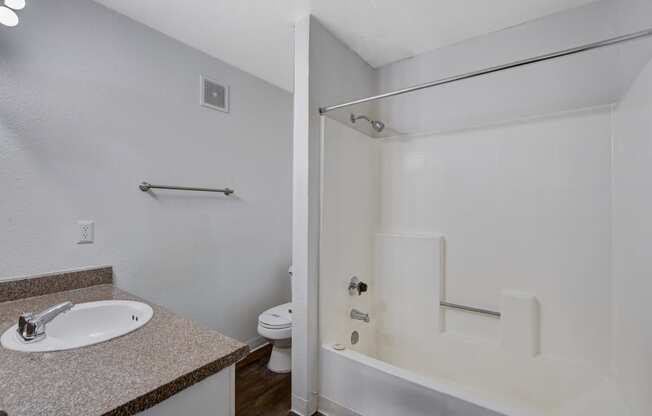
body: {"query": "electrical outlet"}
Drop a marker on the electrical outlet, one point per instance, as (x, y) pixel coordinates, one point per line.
(86, 232)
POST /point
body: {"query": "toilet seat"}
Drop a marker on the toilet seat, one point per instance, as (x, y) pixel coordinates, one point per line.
(279, 317)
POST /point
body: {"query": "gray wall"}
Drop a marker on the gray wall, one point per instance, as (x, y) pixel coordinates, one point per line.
(91, 104)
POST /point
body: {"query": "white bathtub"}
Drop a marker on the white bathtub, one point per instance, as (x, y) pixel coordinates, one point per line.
(354, 384)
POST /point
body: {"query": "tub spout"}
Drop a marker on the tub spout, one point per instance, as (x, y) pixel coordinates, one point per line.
(359, 316)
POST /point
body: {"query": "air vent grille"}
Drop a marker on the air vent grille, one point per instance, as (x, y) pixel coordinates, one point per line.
(214, 95)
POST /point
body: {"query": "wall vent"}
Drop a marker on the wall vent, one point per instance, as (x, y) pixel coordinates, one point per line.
(214, 95)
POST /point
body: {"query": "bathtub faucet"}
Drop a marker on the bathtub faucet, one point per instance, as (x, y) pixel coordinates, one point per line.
(356, 286)
(359, 316)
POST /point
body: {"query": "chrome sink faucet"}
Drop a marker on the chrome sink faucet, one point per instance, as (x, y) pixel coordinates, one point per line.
(31, 327)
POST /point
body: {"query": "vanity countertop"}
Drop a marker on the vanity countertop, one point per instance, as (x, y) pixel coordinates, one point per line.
(120, 377)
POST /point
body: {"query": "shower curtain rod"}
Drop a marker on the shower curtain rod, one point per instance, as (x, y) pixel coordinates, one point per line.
(515, 64)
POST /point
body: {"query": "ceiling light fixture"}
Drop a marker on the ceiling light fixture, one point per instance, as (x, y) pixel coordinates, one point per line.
(15, 4)
(8, 17)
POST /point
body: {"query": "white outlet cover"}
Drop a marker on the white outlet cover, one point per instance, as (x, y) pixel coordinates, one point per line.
(86, 232)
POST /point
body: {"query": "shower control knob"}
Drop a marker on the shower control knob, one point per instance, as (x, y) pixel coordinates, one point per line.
(356, 286)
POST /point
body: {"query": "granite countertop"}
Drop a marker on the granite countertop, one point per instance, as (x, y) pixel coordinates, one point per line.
(120, 377)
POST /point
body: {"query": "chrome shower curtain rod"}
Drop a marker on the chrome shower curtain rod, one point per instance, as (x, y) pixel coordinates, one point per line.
(515, 64)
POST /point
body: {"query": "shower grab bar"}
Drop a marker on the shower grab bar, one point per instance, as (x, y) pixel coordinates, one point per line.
(145, 187)
(469, 309)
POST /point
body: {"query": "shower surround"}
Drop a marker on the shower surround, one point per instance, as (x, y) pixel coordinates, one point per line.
(532, 180)
(483, 217)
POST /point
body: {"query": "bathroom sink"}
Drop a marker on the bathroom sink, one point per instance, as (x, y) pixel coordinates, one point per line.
(83, 325)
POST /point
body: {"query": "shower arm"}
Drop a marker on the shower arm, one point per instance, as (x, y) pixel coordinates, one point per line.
(355, 118)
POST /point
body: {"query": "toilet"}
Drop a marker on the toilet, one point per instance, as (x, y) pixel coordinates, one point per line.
(275, 325)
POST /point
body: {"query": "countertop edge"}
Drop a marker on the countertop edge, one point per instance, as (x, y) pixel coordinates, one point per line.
(168, 390)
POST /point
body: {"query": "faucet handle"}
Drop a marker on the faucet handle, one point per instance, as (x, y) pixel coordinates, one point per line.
(23, 320)
(27, 329)
(357, 286)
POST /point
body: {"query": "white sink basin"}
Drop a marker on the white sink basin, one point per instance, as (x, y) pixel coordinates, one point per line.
(85, 324)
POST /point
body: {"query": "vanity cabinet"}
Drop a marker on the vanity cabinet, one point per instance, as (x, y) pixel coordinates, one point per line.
(214, 396)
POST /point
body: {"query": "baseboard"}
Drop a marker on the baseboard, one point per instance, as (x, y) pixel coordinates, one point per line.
(328, 407)
(299, 406)
(303, 407)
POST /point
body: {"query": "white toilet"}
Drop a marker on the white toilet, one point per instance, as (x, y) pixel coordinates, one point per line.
(275, 324)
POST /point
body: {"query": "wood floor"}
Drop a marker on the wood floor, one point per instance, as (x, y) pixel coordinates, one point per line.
(258, 391)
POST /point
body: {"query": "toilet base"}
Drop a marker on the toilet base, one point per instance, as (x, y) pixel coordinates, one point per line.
(281, 359)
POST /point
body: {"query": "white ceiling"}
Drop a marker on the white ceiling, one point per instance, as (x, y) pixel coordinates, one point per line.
(256, 35)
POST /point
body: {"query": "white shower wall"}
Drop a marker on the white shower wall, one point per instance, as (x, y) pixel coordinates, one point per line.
(632, 230)
(522, 206)
(350, 197)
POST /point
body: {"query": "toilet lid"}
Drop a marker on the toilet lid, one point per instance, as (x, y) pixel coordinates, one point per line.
(278, 317)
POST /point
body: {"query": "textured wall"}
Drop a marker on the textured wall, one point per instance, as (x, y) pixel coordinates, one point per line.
(91, 104)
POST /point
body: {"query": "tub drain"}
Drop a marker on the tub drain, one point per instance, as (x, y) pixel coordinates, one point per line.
(355, 337)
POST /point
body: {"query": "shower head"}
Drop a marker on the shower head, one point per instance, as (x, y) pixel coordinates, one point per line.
(375, 124)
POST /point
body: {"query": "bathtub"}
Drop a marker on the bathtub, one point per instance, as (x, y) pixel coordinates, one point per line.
(355, 384)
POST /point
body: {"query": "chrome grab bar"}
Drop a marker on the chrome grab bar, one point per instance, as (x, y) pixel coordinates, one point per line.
(469, 309)
(147, 186)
